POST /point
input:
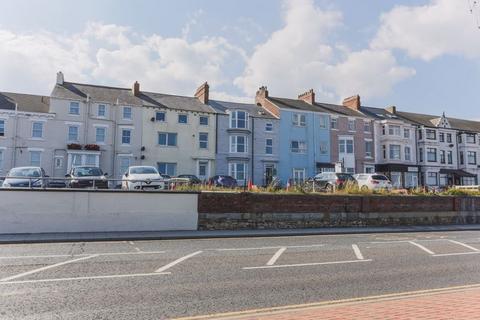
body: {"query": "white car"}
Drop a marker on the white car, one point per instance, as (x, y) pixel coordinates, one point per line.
(141, 178)
(373, 181)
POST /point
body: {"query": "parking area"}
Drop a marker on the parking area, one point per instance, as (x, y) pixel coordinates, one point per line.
(233, 273)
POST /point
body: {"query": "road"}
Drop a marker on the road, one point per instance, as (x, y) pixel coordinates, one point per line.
(179, 278)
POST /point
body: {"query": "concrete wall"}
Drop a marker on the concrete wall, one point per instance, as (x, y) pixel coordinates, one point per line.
(230, 211)
(84, 211)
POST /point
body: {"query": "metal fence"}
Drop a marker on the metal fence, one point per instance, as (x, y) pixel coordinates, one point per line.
(90, 183)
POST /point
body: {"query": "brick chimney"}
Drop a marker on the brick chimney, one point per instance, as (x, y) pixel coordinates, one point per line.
(202, 93)
(392, 109)
(60, 78)
(308, 97)
(136, 88)
(352, 102)
(261, 95)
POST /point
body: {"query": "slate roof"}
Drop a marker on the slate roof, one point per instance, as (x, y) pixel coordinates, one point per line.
(317, 107)
(26, 102)
(114, 95)
(430, 121)
(295, 104)
(338, 109)
(252, 109)
(174, 102)
(379, 114)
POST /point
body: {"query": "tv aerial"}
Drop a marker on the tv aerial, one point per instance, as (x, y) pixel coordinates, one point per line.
(474, 8)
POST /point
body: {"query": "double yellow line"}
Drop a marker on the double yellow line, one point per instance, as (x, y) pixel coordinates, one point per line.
(384, 297)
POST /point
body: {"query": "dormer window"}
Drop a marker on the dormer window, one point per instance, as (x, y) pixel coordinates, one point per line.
(238, 120)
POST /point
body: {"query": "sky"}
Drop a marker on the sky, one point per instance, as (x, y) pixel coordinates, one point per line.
(421, 56)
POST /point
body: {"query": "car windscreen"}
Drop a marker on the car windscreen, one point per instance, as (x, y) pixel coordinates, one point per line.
(86, 171)
(143, 170)
(378, 177)
(25, 172)
(343, 176)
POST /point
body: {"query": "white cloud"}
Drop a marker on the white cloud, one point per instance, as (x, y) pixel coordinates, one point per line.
(300, 56)
(426, 32)
(113, 55)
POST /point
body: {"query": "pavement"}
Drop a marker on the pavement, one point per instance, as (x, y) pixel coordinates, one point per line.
(194, 234)
(168, 279)
(443, 304)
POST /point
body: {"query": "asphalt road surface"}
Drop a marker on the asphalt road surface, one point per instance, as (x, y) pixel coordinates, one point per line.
(180, 278)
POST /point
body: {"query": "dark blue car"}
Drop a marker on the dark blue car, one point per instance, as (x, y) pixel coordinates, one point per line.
(223, 181)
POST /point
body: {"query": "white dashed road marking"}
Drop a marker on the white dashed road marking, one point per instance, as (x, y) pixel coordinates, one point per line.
(46, 268)
(305, 264)
(422, 247)
(275, 257)
(357, 251)
(173, 263)
(464, 245)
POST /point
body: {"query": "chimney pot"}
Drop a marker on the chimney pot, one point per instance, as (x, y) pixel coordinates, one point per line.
(60, 78)
(203, 93)
(308, 97)
(136, 88)
(352, 102)
(392, 109)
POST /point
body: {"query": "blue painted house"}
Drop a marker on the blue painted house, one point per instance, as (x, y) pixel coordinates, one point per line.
(304, 135)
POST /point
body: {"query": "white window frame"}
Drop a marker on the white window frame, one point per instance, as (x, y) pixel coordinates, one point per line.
(78, 133)
(32, 152)
(392, 155)
(200, 141)
(394, 130)
(351, 125)
(234, 119)
(167, 134)
(104, 110)
(129, 137)
(182, 115)
(72, 103)
(267, 126)
(299, 120)
(369, 154)
(298, 175)
(41, 131)
(269, 147)
(323, 122)
(233, 171)
(164, 116)
(301, 147)
(345, 145)
(104, 134)
(123, 113)
(204, 117)
(234, 144)
(407, 155)
(334, 123)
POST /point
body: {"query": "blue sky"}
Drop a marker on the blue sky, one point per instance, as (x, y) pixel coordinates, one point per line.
(422, 56)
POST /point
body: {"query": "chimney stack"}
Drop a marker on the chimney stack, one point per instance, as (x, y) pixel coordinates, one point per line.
(202, 93)
(352, 102)
(392, 109)
(60, 78)
(308, 97)
(136, 88)
(261, 95)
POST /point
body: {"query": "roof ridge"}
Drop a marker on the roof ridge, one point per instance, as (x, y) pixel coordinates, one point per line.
(24, 94)
(96, 85)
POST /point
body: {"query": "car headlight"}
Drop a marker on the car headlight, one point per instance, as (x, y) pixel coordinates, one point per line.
(6, 185)
(74, 181)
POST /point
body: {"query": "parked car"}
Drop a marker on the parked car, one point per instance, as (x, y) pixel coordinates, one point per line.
(141, 178)
(192, 179)
(87, 177)
(330, 181)
(223, 181)
(25, 177)
(373, 181)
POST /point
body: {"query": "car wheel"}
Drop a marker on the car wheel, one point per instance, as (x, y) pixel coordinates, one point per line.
(364, 188)
(329, 188)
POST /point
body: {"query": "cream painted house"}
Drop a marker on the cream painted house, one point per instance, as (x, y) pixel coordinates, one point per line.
(179, 133)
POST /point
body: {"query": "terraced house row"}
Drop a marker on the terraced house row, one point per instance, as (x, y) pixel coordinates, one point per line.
(288, 138)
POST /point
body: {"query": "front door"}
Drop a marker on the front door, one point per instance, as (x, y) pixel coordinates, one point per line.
(270, 173)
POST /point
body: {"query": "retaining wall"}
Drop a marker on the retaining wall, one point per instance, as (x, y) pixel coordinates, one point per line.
(39, 211)
(230, 211)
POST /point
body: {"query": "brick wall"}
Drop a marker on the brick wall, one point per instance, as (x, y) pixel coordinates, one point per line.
(223, 211)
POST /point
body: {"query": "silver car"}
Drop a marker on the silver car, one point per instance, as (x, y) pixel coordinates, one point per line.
(25, 177)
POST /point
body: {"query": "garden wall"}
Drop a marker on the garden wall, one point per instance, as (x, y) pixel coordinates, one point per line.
(230, 211)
